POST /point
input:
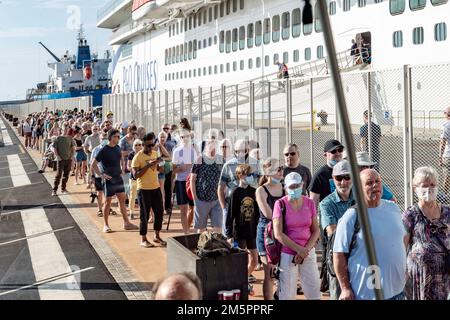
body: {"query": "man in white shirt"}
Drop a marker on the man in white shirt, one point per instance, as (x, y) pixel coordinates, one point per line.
(444, 150)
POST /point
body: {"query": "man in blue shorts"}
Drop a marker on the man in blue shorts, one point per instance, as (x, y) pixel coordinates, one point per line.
(109, 157)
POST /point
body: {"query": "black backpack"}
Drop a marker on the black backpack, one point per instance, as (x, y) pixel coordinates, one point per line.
(330, 243)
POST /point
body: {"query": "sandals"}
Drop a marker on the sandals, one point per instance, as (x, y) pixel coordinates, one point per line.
(99, 213)
(112, 212)
(161, 242)
(147, 244)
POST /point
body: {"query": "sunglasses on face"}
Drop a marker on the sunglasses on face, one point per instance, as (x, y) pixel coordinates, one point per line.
(345, 177)
(340, 150)
(290, 154)
(165, 129)
(138, 145)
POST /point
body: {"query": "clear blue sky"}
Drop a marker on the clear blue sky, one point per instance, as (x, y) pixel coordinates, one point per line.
(23, 23)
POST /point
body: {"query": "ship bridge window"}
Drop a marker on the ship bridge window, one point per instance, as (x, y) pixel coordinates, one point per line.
(362, 3)
(234, 65)
(267, 31)
(397, 6)
(250, 35)
(216, 12)
(209, 70)
(276, 28)
(296, 23)
(307, 54)
(222, 9)
(397, 39)
(417, 4)
(286, 25)
(228, 41)
(258, 33)
(418, 35)
(215, 69)
(266, 61)
(241, 65)
(250, 63)
(228, 7)
(332, 8)
(307, 29)
(221, 68)
(228, 67)
(242, 4)
(235, 39)
(440, 31)
(242, 38)
(235, 5)
(296, 56)
(210, 14)
(285, 57)
(347, 5)
(258, 62)
(438, 2)
(317, 22)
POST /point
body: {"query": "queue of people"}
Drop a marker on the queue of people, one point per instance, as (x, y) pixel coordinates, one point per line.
(238, 193)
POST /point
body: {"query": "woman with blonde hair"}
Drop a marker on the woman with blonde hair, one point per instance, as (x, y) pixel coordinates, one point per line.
(427, 241)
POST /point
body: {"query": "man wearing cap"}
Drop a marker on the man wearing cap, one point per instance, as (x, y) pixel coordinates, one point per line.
(333, 207)
(364, 162)
(444, 150)
(322, 183)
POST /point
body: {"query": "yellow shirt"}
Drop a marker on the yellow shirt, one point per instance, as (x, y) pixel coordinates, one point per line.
(149, 181)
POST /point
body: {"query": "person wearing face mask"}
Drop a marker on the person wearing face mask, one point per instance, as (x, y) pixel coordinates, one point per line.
(98, 182)
(298, 232)
(228, 179)
(356, 276)
(322, 183)
(243, 216)
(269, 191)
(332, 208)
(427, 241)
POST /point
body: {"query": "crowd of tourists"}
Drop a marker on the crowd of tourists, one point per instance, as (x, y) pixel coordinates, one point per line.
(229, 188)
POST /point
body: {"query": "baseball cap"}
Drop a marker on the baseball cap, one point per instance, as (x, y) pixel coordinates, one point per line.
(125, 125)
(292, 178)
(341, 168)
(363, 159)
(331, 145)
(109, 113)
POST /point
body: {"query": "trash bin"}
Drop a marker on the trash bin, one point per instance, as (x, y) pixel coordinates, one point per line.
(216, 274)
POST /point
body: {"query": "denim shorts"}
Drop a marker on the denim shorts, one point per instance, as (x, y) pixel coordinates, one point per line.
(180, 191)
(114, 186)
(161, 176)
(203, 209)
(80, 156)
(263, 222)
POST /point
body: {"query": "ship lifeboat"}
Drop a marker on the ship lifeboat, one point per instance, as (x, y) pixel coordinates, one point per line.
(148, 9)
(88, 72)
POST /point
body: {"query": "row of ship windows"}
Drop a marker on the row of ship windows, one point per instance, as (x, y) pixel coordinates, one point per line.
(398, 6)
(205, 16)
(234, 66)
(187, 51)
(440, 34)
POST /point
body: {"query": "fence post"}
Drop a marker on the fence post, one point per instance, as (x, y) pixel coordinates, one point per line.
(181, 103)
(311, 123)
(369, 116)
(269, 107)
(407, 136)
(252, 110)
(237, 108)
(200, 111)
(223, 125)
(288, 84)
(166, 107)
(211, 108)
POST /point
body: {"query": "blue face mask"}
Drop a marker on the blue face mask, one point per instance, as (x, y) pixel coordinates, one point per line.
(276, 181)
(295, 194)
(332, 163)
(249, 180)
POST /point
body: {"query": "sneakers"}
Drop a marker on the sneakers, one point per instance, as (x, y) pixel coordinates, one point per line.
(130, 226)
(147, 244)
(54, 194)
(64, 192)
(107, 229)
(251, 279)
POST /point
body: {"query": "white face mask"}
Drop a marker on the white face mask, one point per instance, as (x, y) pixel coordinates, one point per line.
(427, 194)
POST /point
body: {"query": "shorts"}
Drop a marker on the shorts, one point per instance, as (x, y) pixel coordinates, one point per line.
(80, 156)
(260, 229)
(182, 197)
(161, 176)
(249, 244)
(114, 186)
(99, 185)
(203, 209)
(28, 134)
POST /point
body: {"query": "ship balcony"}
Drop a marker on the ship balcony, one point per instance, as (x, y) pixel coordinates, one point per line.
(162, 9)
(114, 13)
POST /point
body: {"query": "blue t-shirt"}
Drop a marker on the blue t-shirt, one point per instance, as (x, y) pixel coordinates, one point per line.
(110, 157)
(387, 232)
(332, 208)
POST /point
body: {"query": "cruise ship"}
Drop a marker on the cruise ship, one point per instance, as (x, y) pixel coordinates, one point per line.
(169, 44)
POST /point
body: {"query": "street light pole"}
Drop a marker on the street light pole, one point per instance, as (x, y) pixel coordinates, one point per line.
(345, 124)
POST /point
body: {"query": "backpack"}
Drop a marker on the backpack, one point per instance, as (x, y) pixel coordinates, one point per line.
(330, 243)
(271, 244)
(189, 187)
(211, 245)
